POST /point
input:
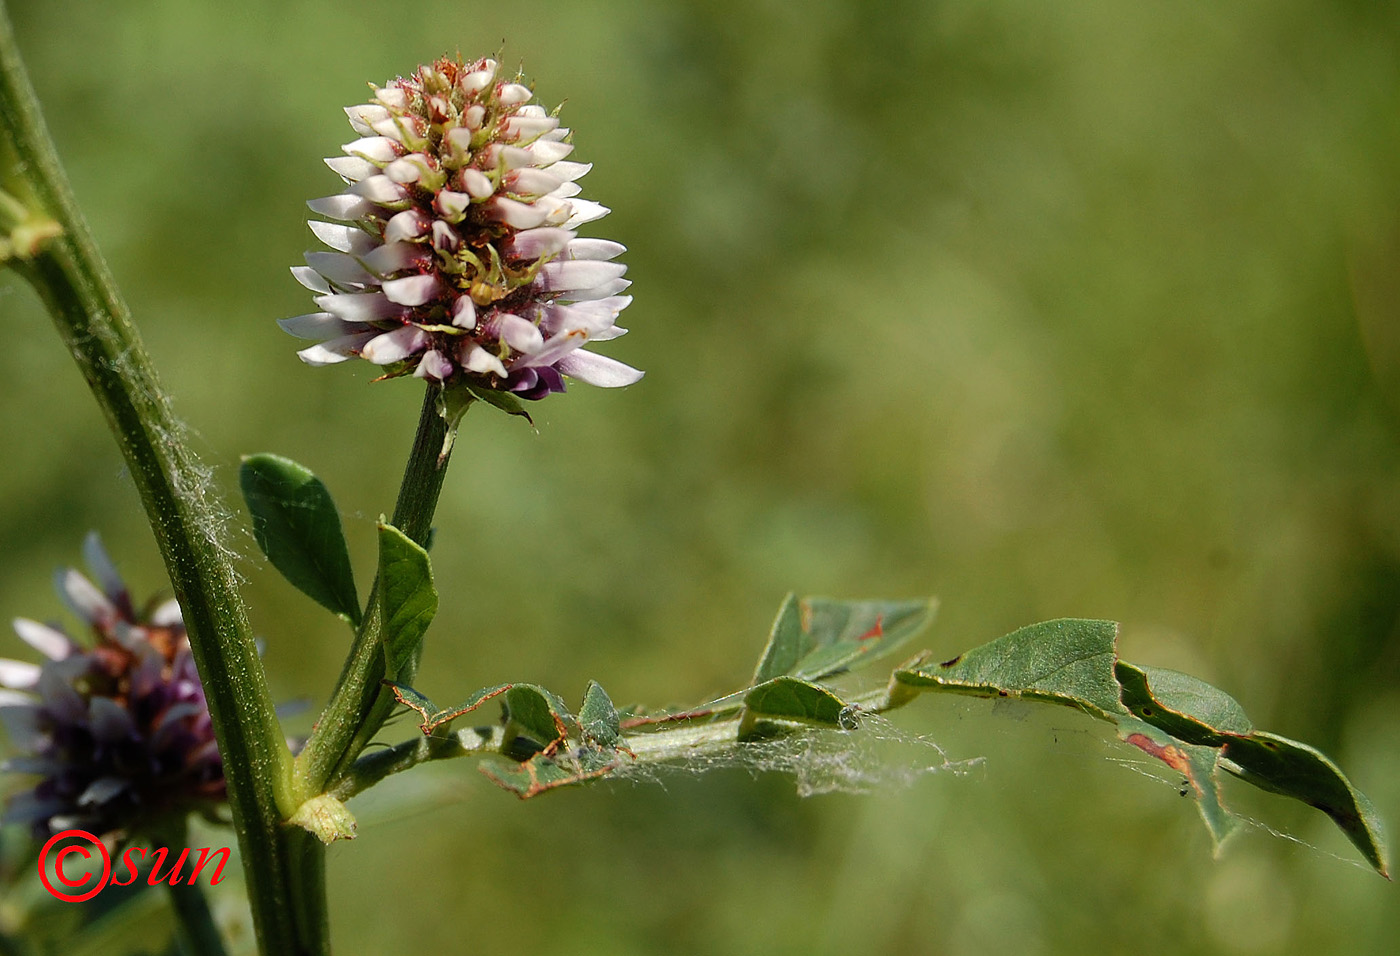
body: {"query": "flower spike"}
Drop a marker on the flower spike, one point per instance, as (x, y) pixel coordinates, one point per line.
(454, 252)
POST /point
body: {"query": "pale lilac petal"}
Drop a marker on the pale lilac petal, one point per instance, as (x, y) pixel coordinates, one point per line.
(319, 326)
(101, 790)
(585, 210)
(311, 279)
(336, 350)
(409, 224)
(598, 370)
(452, 205)
(393, 257)
(408, 169)
(478, 80)
(343, 238)
(434, 365)
(394, 97)
(412, 290)
(342, 206)
(339, 268)
(50, 642)
(507, 157)
(606, 290)
(360, 306)
(83, 598)
(538, 243)
(520, 334)
(394, 346)
(168, 614)
(517, 215)
(531, 182)
(554, 349)
(28, 808)
(578, 274)
(525, 128)
(364, 116)
(101, 566)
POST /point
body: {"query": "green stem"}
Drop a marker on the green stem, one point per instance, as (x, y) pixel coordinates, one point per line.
(360, 704)
(94, 323)
(199, 936)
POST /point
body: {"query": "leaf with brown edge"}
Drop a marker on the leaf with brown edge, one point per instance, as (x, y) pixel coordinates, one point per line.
(432, 716)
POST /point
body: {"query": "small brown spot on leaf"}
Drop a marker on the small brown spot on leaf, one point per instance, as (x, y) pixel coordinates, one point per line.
(951, 663)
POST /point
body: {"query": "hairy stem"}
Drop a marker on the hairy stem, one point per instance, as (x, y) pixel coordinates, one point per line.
(95, 325)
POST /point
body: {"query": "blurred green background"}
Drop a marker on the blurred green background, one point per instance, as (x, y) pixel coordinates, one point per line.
(1083, 308)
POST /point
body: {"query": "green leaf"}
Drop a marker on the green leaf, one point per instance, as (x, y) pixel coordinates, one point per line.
(814, 638)
(505, 401)
(787, 698)
(536, 720)
(297, 526)
(432, 717)
(1069, 661)
(1197, 766)
(598, 717)
(542, 772)
(407, 600)
(1184, 706)
(1296, 770)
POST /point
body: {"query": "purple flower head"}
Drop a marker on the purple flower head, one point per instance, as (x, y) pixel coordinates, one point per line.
(454, 256)
(115, 725)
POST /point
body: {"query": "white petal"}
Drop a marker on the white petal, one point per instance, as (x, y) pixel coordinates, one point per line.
(409, 224)
(342, 206)
(408, 169)
(477, 359)
(533, 110)
(579, 274)
(401, 129)
(528, 127)
(568, 172)
(168, 614)
(343, 238)
(380, 190)
(547, 151)
(464, 312)
(445, 238)
(601, 250)
(585, 210)
(478, 80)
(339, 267)
(377, 149)
(508, 157)
(598, 370)
(457, 145)
(537, 243)
(604, 291)
(520, 334)
(531, 181)
(452, 205)
(566, 191)
(394, 97)
(101, 566)
(517, 215)
(312, 279)
(359, 306)
(474, 116)
(513, 94)
(352, 168)
(50, 642)
(477, 184)
(363, 117)
(412, 290)
(18, 675)
(336, 350)
(319, 326)
(394, 346)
